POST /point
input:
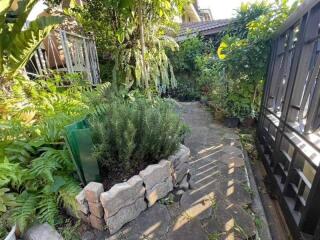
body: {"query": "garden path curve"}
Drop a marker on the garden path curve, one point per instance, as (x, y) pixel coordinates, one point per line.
(217, 206)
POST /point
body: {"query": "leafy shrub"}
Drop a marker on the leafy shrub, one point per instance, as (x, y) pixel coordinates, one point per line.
(187, 88)
(131, 134)
(184, 60)
(186, 69)
(244, 53)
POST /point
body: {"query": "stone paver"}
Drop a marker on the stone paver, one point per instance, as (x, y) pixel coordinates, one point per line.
(216, 206)
(42, 231)
(151, 224)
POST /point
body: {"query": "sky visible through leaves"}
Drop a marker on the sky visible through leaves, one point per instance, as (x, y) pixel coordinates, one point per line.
(222, 9)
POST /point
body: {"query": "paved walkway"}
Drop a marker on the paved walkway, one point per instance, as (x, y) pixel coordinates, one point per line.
(218, 205)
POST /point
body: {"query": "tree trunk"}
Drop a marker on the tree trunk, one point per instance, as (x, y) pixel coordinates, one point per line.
(141, 28)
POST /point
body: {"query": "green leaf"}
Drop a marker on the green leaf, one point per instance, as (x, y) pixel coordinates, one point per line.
(125, 3)
(121, 36)
(24, 43)
(23, 11)
(57, 184)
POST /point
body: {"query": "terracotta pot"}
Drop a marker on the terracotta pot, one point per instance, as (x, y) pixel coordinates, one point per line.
(249, 122)
(219, 115)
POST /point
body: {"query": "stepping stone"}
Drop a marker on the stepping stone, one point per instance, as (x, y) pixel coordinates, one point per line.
(151, 224)
(231, 172)
(229, 222)
(231, 136)
(232, 150)
(187, 229)
(236, 192)
(42, 231)
(197, 204)
(232, 161)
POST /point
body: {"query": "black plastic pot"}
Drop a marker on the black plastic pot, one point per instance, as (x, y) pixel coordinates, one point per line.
(232, 122)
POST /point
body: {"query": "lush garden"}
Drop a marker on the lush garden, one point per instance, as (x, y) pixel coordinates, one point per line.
(230, 72)
(133, 125)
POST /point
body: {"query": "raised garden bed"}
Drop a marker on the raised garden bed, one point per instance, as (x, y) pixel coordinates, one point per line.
(125, 201)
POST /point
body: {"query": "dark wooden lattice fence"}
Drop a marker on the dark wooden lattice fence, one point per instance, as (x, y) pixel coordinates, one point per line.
(288, 130)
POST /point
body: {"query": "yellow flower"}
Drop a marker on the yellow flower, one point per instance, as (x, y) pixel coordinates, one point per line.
(221, 48)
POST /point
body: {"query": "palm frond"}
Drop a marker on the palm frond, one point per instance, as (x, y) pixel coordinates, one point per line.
(24, 43)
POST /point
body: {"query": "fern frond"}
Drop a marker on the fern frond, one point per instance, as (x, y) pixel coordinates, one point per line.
(68, 192)
(25, 212)
(48, 209)
(61, 156)
(44, 166)
(99, 110)
(20, 152)
(7, 199)
(10, 173)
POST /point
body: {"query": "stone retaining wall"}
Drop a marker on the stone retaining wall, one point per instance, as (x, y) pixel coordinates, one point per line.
(125, 201)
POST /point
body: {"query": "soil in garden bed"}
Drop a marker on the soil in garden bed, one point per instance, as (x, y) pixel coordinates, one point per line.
(117, 175)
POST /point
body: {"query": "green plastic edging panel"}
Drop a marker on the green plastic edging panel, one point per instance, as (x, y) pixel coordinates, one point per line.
(80, 144)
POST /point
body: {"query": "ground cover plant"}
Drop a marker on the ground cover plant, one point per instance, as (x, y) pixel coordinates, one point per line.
(134, 132)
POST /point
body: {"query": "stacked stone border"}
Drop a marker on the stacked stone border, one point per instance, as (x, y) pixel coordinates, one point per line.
(127, 200)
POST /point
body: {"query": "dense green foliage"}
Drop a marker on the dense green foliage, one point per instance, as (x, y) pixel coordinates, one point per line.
(244, 53)
(232, 75)
(186, 68)
(134, 132)
(133, 35)
(35, 166)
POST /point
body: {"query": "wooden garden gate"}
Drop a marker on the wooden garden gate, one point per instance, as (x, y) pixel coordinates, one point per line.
(67, 52)
(288, 130)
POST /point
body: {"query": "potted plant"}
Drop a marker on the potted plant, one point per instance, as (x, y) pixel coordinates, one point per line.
(232, 120)
(250, 120)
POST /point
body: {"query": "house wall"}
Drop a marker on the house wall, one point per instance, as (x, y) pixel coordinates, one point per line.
(190, 14)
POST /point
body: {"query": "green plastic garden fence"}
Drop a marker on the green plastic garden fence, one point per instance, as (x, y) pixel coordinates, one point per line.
(79, 142)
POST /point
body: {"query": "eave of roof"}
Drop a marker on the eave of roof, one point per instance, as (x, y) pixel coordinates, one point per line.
(202, 28)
